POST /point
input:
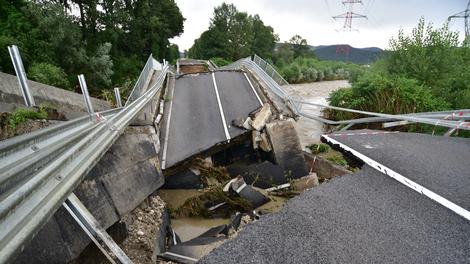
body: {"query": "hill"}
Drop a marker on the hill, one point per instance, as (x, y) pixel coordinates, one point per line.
(347, 53)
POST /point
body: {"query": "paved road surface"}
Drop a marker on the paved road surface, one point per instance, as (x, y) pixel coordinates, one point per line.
(196, 123)
(441, 164)
(368, 217)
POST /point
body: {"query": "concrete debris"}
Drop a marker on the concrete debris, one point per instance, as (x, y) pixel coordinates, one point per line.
(261, 117)
(247, 123)
(324, 168)
(254, 197)
(277, 188)
(264, 144)
(158, 119)
(286, 147)
(304, 183)
(235, 220)
(255, 138)
(262, 175)
(243, 123)
(192, 250)
(186, 179)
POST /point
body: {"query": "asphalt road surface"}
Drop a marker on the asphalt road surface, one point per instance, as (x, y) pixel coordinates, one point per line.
(441, 164)
(196, 123)
(368, 217)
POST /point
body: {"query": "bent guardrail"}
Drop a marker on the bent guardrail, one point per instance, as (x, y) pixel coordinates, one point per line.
(39, 170)
(454, 119)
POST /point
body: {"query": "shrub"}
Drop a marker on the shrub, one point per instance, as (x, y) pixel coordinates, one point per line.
(49, 74)
(21, 114)
(220, 61)
(385, 94)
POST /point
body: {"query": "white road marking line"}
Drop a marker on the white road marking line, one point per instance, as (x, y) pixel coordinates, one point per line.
(402, 179)
(167, 130)
(253, 88)
(220, 107)
(180, 256)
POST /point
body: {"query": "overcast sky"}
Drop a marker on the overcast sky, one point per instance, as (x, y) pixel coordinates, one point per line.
(312, 19)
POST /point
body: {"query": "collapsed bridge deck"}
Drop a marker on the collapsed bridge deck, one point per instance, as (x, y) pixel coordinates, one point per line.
(199, 112)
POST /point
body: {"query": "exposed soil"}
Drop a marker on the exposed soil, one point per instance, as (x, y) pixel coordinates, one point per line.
(143, 225)
(28, 126)
(309, 130)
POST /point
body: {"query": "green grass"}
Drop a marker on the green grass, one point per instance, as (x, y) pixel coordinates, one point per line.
(22, 114)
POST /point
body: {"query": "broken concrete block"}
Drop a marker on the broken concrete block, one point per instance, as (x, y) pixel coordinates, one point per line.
(264, 144)
(304, 183)
(286, 148)
(255, 138)
(255, 198)
(261, 175)
(247, 123)
(186, 179)
(261, 117)
(191, 251)
(242, 123)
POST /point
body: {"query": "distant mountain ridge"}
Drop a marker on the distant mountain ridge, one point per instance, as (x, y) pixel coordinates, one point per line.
(347, 53)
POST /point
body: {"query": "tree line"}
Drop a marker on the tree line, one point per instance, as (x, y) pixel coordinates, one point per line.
(107, 40)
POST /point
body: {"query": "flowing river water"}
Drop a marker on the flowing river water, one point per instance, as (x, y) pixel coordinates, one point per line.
(309, 130)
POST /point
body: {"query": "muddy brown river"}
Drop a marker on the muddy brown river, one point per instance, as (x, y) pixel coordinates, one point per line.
(191, 227)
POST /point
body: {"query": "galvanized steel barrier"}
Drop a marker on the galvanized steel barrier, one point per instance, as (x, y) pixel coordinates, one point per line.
(39, 170)
(453, 119)
(150, 66)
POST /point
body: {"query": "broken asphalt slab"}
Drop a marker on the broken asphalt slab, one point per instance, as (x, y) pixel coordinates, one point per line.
(438, 163)
(365, 217)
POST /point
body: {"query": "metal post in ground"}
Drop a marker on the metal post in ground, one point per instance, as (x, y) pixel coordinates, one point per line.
(86, 96)
(21, 75)
(117, 94)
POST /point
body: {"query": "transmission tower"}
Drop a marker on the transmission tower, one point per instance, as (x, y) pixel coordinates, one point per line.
(349, 15)
(465, 15)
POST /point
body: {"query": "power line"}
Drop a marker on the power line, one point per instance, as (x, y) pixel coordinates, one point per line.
(465, 15)
(349, 15)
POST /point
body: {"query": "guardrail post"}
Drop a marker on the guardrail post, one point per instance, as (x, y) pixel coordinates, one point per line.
(21, 75)
(117, 94)
(86, 96)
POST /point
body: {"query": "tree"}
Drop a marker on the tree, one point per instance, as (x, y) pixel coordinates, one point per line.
(300, 47)
(428, 54)
(107, 40)
(233, 35)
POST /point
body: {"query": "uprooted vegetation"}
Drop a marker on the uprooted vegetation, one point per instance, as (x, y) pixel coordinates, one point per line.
(199, 205)
(214, 179)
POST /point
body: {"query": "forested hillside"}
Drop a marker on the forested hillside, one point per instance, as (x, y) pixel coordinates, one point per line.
(108, 41)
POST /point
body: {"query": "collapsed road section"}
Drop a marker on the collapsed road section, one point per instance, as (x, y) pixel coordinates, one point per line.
(370, 216)
(200, 109)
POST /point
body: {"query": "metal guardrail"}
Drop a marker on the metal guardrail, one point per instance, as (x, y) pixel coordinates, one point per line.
(39, 170)
(149, 66)
(454, 119)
